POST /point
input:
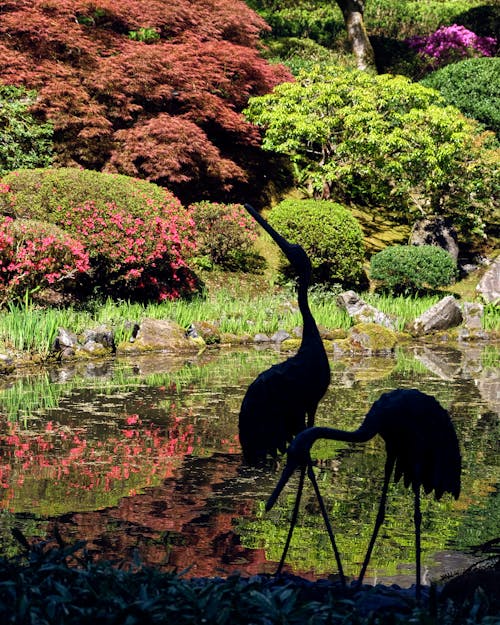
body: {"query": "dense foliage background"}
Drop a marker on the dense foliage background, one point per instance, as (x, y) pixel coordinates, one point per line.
(149, 89)
(217, 107)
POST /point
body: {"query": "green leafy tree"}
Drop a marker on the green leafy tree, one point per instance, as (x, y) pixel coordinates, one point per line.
(24, 141)
(382, 141)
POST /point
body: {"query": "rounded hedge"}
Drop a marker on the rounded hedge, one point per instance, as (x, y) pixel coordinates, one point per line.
(412, 268)
(329, 233)
(137, 234)
(473, 86)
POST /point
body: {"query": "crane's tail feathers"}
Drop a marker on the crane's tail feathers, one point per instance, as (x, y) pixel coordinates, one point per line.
(285, 476)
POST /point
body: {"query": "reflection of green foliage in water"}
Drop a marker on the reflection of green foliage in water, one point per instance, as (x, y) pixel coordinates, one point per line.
(351, 493)
(29, 527)
(490, 357)
(407, 365)
(206, 392)
(38, 392)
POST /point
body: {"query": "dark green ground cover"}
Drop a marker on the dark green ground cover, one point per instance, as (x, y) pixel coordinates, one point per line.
(60, 584)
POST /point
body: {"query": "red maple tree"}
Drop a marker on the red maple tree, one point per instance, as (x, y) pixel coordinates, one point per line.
(148, 88)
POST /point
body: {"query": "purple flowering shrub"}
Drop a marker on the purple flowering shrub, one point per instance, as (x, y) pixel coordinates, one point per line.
(449, 44)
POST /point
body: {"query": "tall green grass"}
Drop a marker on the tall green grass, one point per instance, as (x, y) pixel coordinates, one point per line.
(27, 328)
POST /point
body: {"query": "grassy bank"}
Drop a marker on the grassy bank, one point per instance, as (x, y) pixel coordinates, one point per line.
(238, 305)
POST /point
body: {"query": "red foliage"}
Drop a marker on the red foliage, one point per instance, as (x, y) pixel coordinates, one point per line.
(165, 108)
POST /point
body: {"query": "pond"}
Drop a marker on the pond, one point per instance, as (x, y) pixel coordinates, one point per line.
(140, 457)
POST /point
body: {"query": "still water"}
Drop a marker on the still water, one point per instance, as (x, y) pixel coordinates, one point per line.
(140, 458)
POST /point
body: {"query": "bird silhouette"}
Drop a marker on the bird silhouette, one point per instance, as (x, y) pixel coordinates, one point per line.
(421, 447)
(282, 400)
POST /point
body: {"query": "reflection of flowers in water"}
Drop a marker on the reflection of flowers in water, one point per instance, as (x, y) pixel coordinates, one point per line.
(72, 460)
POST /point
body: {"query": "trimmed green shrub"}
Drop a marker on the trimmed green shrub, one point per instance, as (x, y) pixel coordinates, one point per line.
(137, 234)
(35, 255)
(43, 193)
(473, 86)
(225, 236)
(412, 268)
(329, 234)
(24, 141)
(304, 54)
(320, 21)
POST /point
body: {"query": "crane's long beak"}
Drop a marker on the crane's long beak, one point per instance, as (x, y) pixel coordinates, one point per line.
(281, 241)
(285, 476)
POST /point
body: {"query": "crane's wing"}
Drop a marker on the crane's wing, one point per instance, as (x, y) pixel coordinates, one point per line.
(423, 441)
(272, 412)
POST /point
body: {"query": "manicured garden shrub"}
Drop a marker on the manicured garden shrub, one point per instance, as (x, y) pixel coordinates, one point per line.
(137, 234)
(473, 86)
(412, 268)
(35, 255)
(329, 234)
(24, 141)
(225, 236)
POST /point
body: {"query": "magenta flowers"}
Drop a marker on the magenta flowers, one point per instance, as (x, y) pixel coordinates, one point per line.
(449, 44)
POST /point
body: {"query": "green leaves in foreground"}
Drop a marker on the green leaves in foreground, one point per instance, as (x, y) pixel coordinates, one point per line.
(61, 585)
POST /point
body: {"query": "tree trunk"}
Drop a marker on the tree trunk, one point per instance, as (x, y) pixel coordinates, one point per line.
(352, 10)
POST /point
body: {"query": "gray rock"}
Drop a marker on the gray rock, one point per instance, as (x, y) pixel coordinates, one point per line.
(6, 364)
(261, 338)
(473, 327)
(65, 340)
(93, 347)
(160, 335)
(102, 335)
(489, 285)
(443, 315)
(362, 312)
(473, 315)
(435, 231)
(280, 336)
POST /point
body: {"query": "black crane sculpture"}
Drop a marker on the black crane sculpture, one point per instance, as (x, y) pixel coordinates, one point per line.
(282, 400)
(421, 447)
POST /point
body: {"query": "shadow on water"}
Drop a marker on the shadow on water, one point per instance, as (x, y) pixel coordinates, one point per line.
(142, 460)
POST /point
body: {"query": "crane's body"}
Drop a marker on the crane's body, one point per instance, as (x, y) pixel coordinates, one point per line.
(421, 447)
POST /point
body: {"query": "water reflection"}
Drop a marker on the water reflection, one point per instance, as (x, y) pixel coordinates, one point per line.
(142, 458)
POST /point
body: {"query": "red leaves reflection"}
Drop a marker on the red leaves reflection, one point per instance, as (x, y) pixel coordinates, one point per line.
(64, 455)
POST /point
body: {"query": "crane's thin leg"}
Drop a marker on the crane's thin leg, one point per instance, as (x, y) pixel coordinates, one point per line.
(389, 465)
(293, 522)
(312, 477)
(418, 523)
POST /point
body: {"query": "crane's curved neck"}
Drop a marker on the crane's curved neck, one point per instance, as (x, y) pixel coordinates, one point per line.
(311, 435)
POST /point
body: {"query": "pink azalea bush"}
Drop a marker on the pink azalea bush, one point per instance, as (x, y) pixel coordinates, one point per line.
(36, 255)
(226, 234)
(449, 44)
(140, 255)
(138, 236)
